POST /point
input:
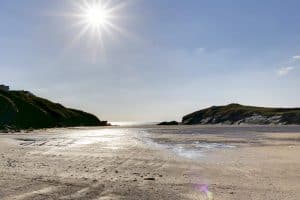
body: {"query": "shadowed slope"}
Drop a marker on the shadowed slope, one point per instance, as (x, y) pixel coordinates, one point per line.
(22, 110)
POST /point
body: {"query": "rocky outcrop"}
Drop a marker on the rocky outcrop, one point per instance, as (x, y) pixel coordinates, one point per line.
(23, 110)
(239, 114)
(171, 123)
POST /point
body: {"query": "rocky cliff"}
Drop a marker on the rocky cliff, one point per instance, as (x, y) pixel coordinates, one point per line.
(23, 110)
(240, 114)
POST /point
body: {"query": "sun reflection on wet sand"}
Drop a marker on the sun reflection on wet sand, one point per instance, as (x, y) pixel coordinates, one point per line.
(113, 137)
(79, 140)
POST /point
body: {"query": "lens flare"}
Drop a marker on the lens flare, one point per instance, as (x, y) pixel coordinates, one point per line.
(204, 189)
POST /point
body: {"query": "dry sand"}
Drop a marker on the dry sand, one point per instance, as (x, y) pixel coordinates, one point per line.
(115, 163)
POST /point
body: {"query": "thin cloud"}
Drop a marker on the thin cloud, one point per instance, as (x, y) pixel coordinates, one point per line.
(297, 57)
(285, 71)
(199, 50)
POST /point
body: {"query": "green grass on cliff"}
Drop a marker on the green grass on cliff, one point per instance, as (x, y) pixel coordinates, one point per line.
(22, 110)
(236, 112)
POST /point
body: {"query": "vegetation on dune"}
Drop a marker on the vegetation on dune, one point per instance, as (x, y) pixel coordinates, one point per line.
(236, 113)
(23, 110)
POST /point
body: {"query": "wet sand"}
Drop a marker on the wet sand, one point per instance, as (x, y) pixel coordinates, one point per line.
(116, 163)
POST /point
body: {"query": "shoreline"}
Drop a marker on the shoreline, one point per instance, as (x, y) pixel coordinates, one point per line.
(152, 125)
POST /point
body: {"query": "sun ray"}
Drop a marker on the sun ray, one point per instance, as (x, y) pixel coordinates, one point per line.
(96, 23)
(97, 15)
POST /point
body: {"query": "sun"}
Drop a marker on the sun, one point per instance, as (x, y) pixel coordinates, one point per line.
(96, 15)
(96, 24)
(96, 18)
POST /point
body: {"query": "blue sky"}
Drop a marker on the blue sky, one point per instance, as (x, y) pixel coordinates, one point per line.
(172, 57)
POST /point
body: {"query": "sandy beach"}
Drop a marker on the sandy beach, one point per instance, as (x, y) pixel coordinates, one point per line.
(181, 162)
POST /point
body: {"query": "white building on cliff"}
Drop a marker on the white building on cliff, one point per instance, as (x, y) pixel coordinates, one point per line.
(4, 87)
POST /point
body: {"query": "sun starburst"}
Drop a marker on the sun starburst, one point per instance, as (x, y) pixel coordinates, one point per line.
(96, 22)
(96, 16)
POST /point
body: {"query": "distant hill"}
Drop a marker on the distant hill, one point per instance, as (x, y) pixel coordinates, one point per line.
(240, 114)
(23, 110)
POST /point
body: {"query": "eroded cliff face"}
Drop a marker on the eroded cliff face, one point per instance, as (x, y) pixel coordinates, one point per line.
(239, 114)
(23, 110)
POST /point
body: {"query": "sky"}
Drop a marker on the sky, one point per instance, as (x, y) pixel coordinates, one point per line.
(161, 60)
